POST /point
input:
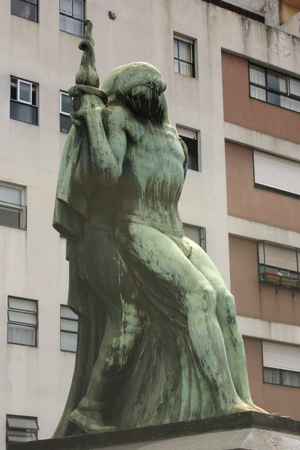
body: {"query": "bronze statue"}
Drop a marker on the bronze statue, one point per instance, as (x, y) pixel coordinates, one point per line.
(158, 339)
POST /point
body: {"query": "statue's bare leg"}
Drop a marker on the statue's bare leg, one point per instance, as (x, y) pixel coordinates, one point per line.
(159, 263)
(226, 315)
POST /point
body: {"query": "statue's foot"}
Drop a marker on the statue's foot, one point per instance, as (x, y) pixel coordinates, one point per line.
(258, 409)
(90, 421)
(242, 407)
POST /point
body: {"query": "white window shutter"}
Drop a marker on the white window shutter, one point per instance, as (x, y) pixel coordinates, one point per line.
(186, 132)
(276, 172)
(281, 356)
(192, 233)
(278, 256)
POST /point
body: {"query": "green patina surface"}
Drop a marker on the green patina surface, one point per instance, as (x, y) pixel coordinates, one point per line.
(158, 339)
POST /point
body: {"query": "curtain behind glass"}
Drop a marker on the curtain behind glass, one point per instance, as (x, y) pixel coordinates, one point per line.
(258, 93)
(257, 76)
(18, 334)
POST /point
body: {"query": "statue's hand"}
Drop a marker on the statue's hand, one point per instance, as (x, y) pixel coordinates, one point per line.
(84, 106)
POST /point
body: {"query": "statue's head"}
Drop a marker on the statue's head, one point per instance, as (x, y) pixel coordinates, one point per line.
(138, 86)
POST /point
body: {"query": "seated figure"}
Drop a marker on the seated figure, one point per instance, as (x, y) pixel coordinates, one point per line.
(158, 340)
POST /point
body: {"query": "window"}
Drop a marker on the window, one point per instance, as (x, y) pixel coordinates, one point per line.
(279, 265)
(27, 9)
(68, 329)
(275, 172)
(22, 321)
(196, 234)
(275, 88)
(23, 100)
(12, 210)
(190, 138)
(21, 429)
(65, 106)
(184, 62)
(71, 16)
(281, 364)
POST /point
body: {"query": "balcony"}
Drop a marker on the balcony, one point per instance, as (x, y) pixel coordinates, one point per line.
(279, 265)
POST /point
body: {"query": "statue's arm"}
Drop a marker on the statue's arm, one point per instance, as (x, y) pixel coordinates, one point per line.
(106, 137)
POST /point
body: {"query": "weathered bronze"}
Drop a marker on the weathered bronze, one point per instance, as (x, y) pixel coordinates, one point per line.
(158, 340)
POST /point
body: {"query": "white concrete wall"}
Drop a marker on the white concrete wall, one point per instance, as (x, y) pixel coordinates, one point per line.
(34, 381)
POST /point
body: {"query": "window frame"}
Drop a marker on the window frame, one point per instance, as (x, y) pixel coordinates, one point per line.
(192, 43)
(62, 307)
(71, 16)
(17, 100)
(282, 365)
(201, 231)
(181, 129)
(60, 103)
(281, 376)
(22, 208)
(19, 81)
(63, 113)
(24, 311)
(272, 90)
(29, 3)
(9, 428)
(279, 276)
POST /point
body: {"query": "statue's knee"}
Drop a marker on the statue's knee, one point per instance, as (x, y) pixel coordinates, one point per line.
(226, 308)
(204, 300)
(229, 303)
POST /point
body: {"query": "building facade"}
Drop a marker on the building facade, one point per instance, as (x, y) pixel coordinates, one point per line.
(233, 90)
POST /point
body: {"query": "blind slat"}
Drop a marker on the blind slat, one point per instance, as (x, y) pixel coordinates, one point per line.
(281, 356)
(277, 256)
(276, 172)
(186, 132)
(192, 233)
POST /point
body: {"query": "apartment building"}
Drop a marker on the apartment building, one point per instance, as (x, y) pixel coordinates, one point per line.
(233, 90)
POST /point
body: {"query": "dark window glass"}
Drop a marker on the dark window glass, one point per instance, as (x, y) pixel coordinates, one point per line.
(13, 88)
(27, 9)
(34, 95)
(274, 99)
(192, 145)
(65, 123)
(22, 112)
(277, 82)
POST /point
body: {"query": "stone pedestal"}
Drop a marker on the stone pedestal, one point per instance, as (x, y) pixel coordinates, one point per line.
(244, 431)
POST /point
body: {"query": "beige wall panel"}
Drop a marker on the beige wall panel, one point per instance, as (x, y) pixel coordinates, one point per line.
(247, 202)
(275, 399)
(248, 112)
(255, 369)
(264, 304)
